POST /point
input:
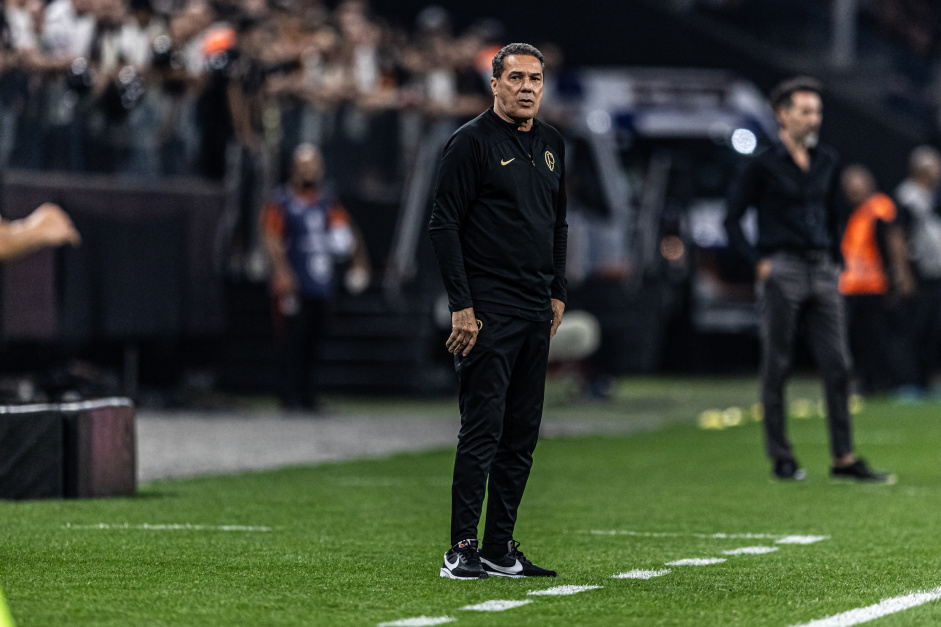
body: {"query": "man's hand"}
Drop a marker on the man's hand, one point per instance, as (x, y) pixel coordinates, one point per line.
(463, 332)
(283, 283)
(558, 308)
(763, 269)
(53, 226)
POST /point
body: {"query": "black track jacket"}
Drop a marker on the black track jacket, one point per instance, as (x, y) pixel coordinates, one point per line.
(498, 221)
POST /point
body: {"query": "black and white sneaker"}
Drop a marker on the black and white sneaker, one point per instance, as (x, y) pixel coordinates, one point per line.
(788, 470)
(462, 562)
(512, 564)
(860, 471)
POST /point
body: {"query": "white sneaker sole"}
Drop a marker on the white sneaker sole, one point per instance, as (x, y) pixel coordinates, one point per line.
(497, 573)
(448, 574)
(492, 569)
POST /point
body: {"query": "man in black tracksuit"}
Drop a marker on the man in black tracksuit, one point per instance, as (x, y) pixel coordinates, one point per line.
(499, 232)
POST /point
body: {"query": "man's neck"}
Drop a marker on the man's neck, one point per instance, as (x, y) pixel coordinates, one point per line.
(308, 194)
(799, 152)
(524, 124)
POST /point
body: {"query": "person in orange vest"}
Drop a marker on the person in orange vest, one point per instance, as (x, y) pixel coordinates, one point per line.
(875, 274)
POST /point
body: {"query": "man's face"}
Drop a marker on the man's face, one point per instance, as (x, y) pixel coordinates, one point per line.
(858, 185)
(308, 169)
(931, 171)
(801, 121)
(518, 92)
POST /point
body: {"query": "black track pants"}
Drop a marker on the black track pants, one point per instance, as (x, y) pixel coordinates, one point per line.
(503, 383)
(795, 290)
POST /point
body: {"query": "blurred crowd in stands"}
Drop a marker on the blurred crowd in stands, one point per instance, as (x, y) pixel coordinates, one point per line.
(173, 87)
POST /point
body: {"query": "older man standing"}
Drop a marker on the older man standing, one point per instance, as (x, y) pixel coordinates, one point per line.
(499, 232)
(794, 186)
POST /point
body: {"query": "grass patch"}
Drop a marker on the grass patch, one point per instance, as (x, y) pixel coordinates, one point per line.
(360, 543)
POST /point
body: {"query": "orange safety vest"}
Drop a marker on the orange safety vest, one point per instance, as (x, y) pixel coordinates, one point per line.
(865, 270)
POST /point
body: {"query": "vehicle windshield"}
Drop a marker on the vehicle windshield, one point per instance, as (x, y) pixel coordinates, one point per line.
(700, 168)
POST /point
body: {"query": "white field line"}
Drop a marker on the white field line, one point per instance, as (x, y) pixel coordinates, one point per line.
(880, 609)
(781, 539)
(802, 539)
(420, 621)
(641, 574)
(562, 590)
(161, 527)
(495, 606)
(697, 561)
(752, 550)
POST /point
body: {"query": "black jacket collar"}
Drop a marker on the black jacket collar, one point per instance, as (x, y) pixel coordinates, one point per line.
(509, 126)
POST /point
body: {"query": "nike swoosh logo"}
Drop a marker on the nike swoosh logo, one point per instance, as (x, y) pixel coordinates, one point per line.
(509, 570)
(450, 563)
(502, 162)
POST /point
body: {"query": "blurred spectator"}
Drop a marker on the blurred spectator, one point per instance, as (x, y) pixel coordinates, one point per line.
(168, 87)
(917, 199)
(306, 234)
(872, 244)
(227, 89)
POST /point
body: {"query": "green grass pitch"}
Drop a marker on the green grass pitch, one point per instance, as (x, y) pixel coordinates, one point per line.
(360, 543)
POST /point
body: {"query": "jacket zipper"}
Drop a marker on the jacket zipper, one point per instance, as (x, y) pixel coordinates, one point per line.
(532, 143)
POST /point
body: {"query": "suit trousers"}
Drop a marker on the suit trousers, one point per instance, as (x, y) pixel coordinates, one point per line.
(802, 290)
(502, 387)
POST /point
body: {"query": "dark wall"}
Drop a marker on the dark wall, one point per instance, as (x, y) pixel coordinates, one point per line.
(592, 32)
(146, 266)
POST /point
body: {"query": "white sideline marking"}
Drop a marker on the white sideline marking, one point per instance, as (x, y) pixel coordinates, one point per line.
(697, 561)
(880, 609)
(801, 539)
(184, 527)
(642, 574)
(562, 590)
(421, 621)
(781, 539)
(495, 606)
(752, 550)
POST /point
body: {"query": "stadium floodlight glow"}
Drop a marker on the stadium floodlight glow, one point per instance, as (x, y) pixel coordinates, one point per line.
(599, 121)
(744, 141)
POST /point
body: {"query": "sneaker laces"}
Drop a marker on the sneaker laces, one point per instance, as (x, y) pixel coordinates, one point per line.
(468, 550)
(514, 551)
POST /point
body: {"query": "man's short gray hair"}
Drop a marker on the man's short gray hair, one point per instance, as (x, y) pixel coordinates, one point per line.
(521, 49)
